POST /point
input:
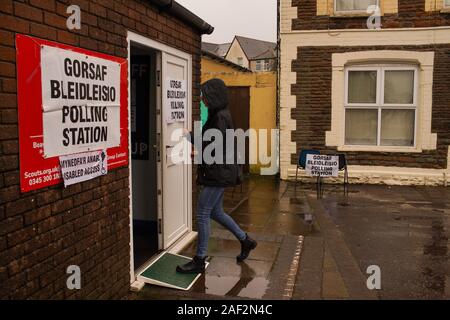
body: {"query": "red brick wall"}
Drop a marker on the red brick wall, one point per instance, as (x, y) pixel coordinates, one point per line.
(313, 112)
(43, 232)
(411, 14)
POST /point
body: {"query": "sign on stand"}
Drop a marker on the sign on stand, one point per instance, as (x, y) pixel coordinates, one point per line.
(322, 165)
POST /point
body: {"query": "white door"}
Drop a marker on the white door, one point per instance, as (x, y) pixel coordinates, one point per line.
(175, 175)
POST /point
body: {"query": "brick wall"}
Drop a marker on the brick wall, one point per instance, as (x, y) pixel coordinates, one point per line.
(411, 14)
(43, 232)
(313, 111)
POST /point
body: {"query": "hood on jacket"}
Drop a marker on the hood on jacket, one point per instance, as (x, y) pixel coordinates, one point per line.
(216, 94)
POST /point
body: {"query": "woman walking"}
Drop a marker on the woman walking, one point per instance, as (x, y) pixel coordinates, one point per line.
(213, 179)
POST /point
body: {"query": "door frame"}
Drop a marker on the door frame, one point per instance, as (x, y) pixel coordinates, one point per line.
(152, 44)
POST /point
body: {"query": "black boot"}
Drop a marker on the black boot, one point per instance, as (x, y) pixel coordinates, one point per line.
(247, 245)
(197, 265)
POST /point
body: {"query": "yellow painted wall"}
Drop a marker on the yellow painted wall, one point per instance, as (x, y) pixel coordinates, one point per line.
(263, 90)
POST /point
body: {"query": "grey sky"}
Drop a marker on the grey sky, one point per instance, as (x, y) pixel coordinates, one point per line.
(249, 18)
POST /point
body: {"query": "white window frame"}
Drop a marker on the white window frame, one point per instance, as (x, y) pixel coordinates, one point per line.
(240, 61)
(266, 65)
(351, 11)
(259, 65)
(445, 4)
(380, 105)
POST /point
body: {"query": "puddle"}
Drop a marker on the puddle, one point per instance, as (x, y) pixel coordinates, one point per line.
(255, 289)
(225, 278)
(231, 286)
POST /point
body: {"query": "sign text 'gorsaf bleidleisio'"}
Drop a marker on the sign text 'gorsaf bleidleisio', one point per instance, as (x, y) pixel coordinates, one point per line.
(322, 165)
(81, 102)
(176, 100)
(81, 167)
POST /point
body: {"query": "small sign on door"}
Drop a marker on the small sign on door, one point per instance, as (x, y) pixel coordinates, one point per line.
(76, 168)
(322, 165)
(176, 100)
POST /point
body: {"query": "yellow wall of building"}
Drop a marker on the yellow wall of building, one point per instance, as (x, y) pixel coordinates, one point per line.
(263, 90)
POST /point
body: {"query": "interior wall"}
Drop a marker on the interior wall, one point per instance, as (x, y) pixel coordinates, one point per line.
(144, 174)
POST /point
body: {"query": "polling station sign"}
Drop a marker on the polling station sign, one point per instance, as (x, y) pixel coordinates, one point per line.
(81, 102)
(322, 165)
(76, 168)
(176, 100)
(70, 100)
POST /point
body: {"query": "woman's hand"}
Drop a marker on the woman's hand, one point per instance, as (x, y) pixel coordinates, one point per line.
(186, 133)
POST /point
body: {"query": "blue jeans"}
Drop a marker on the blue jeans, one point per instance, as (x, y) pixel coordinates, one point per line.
(209, 206)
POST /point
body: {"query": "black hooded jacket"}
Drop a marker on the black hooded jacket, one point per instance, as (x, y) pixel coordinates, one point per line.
(224, 174)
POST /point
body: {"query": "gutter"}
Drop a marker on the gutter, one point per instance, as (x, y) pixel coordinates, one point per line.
(183, 14)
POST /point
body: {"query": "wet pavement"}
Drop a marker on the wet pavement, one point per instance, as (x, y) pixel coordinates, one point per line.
(320, 249)
(404, 231)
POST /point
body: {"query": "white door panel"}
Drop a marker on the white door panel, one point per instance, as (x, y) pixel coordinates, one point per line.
(175, 184)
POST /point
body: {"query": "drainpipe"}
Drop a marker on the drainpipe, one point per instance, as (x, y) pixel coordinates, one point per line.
(184, 14)
(278, 106)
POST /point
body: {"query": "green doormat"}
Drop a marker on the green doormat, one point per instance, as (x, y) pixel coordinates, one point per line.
(162, 272)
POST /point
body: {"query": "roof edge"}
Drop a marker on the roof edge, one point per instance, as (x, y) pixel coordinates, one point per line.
(184, 14)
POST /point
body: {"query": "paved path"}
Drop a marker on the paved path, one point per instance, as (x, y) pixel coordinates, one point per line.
(320, 249)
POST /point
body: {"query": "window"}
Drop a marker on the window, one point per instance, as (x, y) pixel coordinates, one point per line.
(262, 65)
(259, 65)
(341, 136)
(380, 106)
(446, 3)
(353, 5)
(240, 61)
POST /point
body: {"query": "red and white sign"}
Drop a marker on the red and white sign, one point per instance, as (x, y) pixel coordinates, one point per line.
(70, 100)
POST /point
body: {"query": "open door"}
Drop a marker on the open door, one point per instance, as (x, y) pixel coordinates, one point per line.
(239, 104)
(161, 201)
(175, 176)
(144, 174)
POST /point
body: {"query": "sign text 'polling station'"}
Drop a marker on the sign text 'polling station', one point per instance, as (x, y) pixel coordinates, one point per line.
(81, 102)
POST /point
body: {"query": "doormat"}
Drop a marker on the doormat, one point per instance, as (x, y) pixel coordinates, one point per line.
(162, 272)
